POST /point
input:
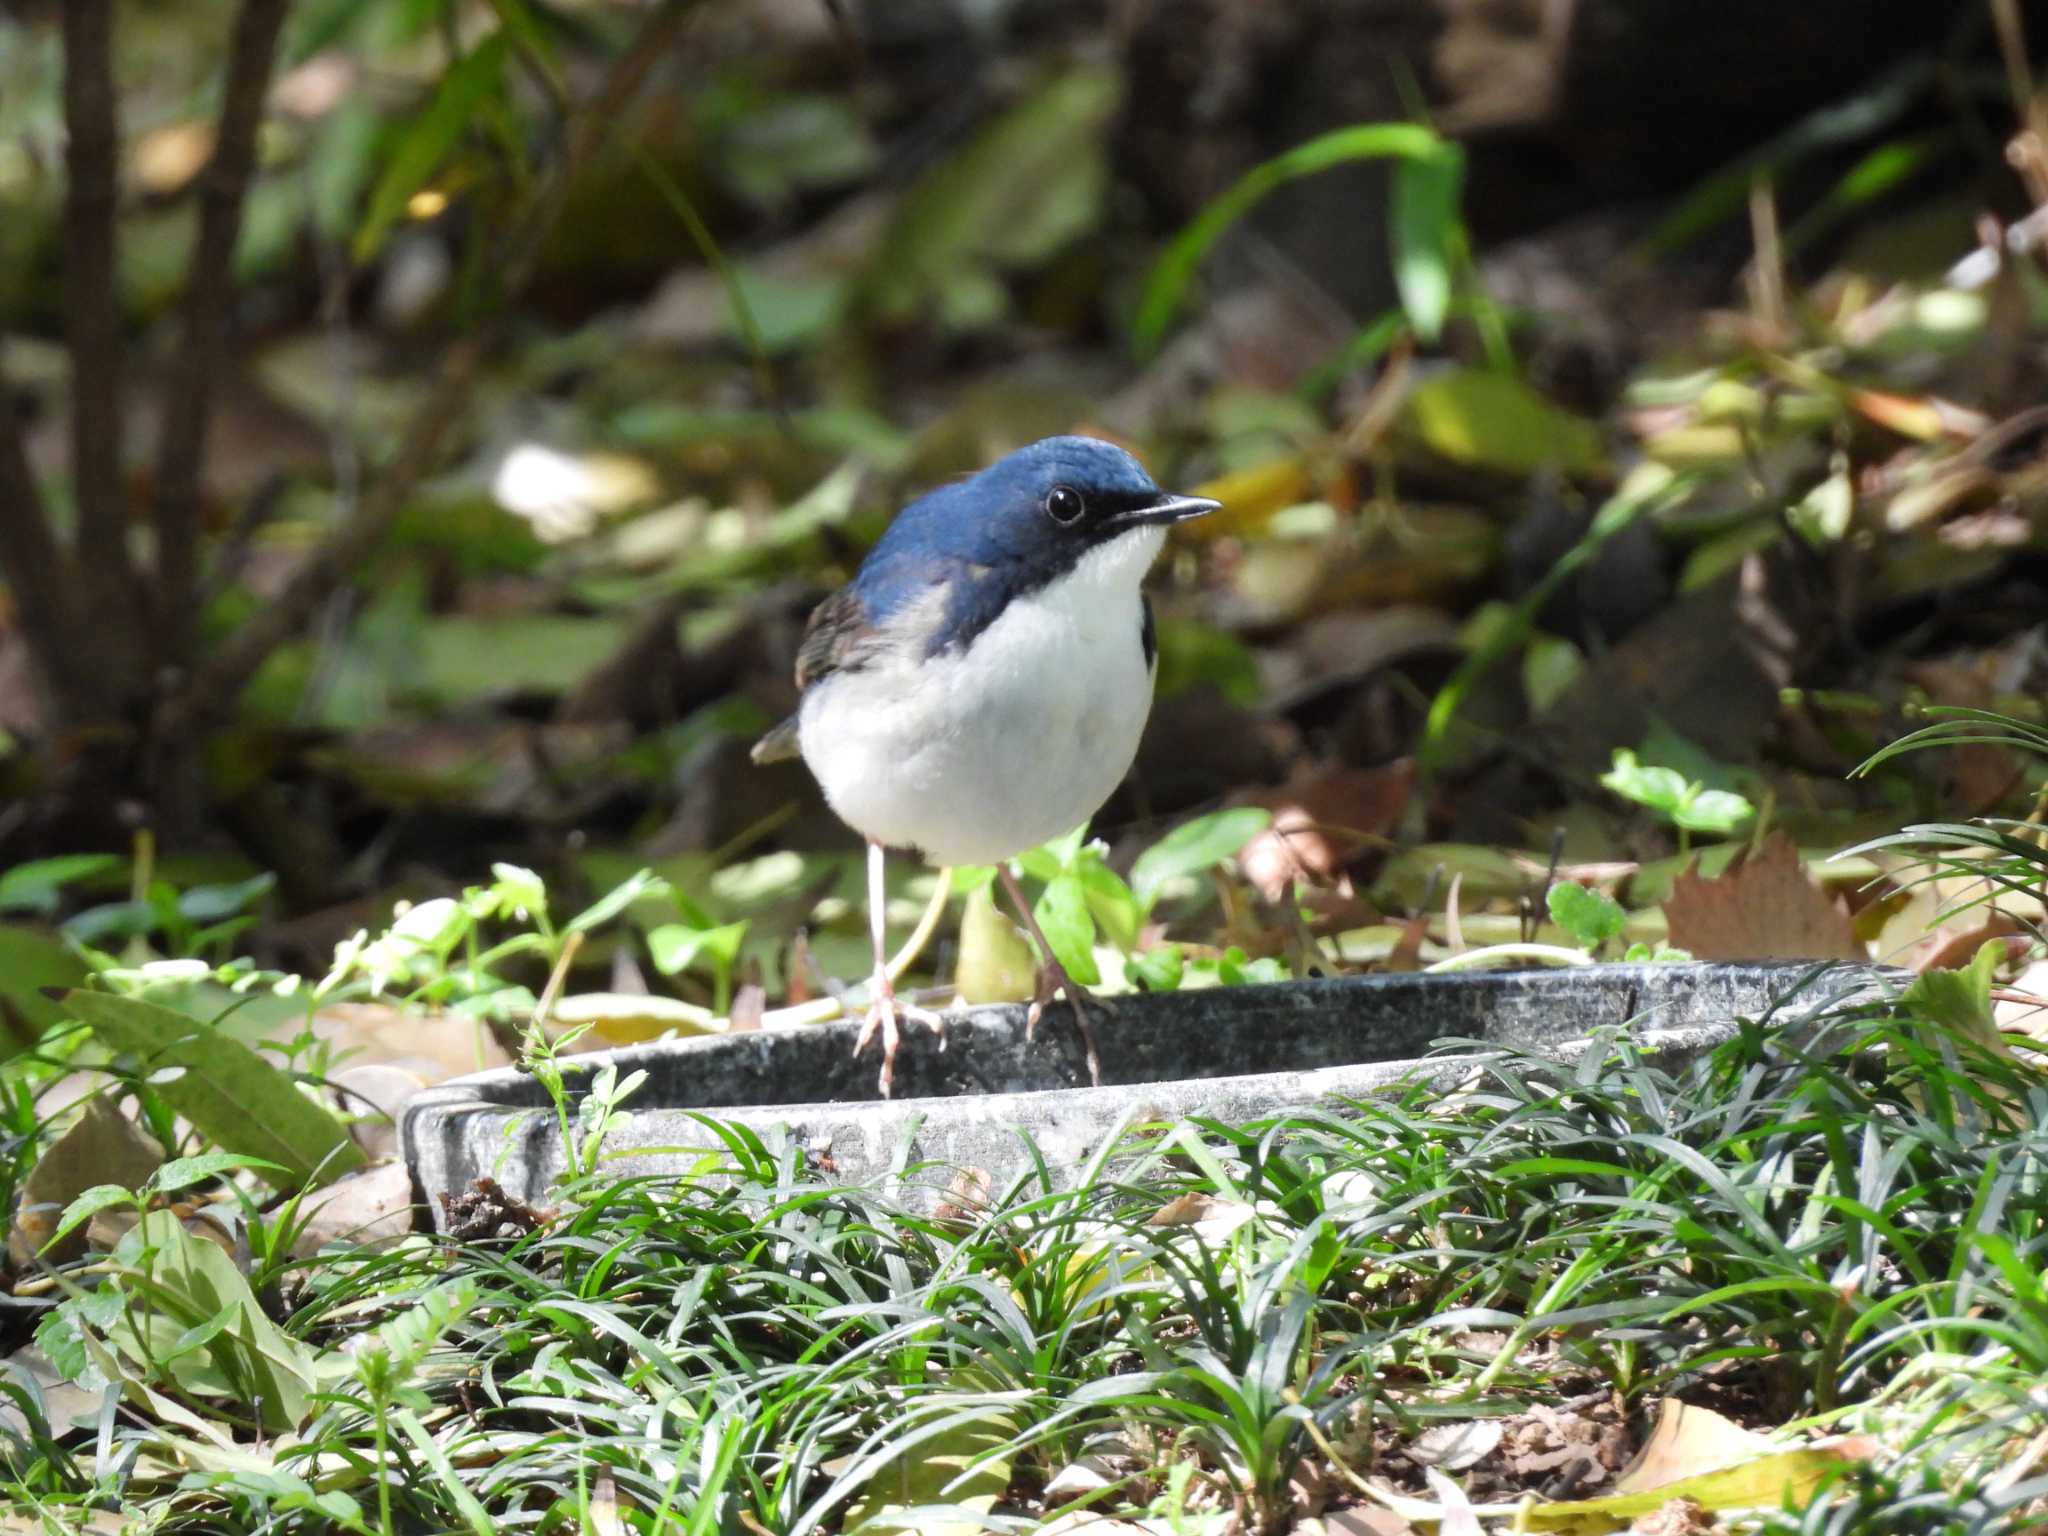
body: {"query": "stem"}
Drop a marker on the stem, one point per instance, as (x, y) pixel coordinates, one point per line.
(209, 285)
(72, 688)
(382, 1434)
(92, 317)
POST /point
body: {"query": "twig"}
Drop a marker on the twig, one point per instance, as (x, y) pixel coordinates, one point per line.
(214, 685)
(209, 285)
(38, 581)
(92, 313)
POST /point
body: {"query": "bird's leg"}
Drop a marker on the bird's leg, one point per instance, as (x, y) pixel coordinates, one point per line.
(1053, 977)
(883, 1006)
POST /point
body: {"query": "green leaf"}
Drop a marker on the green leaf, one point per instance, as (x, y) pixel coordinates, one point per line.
(30, 962)
(211, 903)
(1017, 193)
(616, 900)
(1195, 846)
(1661, 789)
(1960, 1000)
(1111, 901)
(675, 946)
(1713, 810)
(1823, 514)
(181, 1171)
(1423, 229)
(33, 887)
(1591, 917)
(179, 1286)
(1366, 141)
(430, 138)
(1658, 954)
(1069, 927)
(969, 878)
(86, 1206)
(429, 1450)
(1481, 417)
(231, 1095)
(520, 892)
(1156, 970)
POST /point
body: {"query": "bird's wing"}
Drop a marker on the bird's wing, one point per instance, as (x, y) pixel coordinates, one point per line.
(838, 637)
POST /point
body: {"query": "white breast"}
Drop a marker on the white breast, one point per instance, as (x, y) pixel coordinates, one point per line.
(976, 755)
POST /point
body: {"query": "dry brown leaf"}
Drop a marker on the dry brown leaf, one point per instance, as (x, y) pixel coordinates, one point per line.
(1952, 949)
(1321, 819)
(102, 1146)
(1680, 1517)
(2022, 1008)
(1766, 907)
(370, 1206)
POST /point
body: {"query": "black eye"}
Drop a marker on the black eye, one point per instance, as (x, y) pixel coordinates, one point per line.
(1063, 504)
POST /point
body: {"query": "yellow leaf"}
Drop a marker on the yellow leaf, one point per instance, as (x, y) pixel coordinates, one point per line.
(995, 961)
(627, 1019)
(1475, 416)
(1251, 497)
(957, 1466)
(1687, 1442)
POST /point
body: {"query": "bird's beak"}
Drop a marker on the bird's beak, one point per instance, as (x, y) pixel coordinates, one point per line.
(1168, 509)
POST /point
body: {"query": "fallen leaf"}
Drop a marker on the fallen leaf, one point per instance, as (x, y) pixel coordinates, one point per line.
(366, 1207)
(1680, 1517)
(1688, 1442)
(960, 1465)
(433, 1046)
(1083, 1475)
(1321, 820)
(102, 1146)
(375, 1093)
(1250, 497)
(1766, 1482)
(1480, 417)
(629, 1018)
(1766, 907)
(1946, 950)
(1455, 1447)
(64, 1405)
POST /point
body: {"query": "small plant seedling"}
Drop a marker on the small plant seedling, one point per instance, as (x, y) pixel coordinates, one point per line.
(1591, 917)
(1690, 807)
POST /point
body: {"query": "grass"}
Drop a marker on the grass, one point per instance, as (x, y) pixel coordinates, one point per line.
(1843, 1229)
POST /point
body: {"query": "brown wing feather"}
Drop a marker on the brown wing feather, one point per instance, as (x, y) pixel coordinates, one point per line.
(837, 637)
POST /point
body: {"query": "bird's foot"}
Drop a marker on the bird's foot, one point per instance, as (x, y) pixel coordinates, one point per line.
(884, 1009)
(1053, 979)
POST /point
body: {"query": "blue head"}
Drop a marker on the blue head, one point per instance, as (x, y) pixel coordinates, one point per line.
(1024, 522)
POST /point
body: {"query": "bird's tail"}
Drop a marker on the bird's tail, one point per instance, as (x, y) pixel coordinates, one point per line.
(779, 745)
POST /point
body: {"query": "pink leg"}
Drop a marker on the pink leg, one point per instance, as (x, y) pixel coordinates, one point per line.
(883, 1007)
(1053, 977)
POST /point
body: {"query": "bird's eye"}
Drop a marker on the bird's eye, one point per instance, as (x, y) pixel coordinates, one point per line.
(1063, 504)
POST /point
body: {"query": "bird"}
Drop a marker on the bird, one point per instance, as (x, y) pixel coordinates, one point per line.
(980, 686)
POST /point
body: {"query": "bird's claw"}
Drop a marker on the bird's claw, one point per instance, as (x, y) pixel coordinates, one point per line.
(1053, 979)
(881, 1018)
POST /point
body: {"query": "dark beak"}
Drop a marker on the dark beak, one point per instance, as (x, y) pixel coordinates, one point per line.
(1168, 509)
